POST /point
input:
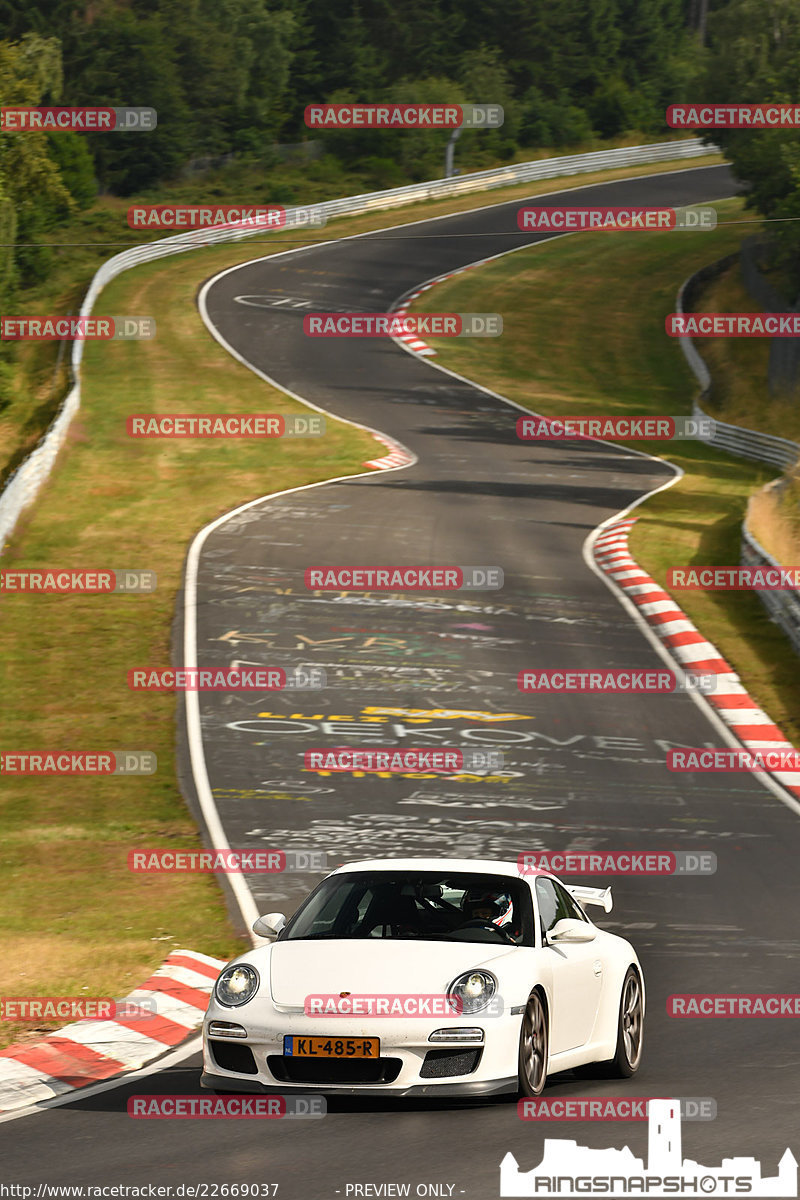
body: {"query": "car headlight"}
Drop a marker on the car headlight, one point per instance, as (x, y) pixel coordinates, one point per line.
(472, 991)
(236, 985)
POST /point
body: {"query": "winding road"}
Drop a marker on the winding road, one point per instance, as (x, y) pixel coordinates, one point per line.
(579, 772)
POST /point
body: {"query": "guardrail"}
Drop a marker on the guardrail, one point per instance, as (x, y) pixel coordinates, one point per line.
(542, 168)
(749, 443)
(783, 606)
(784, 353)
(23, 486)
(745, 443)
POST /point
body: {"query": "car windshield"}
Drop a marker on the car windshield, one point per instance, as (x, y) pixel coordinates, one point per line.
(423, 905)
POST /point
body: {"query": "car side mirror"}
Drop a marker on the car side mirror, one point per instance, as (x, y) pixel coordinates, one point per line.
(270, 925)
(571, 930)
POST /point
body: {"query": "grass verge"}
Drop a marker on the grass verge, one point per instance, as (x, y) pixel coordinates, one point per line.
(740, 394)
(773, 518)
(582, 335)
(70, 911)
(739, 389)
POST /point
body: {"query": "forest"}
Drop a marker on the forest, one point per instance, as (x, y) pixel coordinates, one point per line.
(230, 81)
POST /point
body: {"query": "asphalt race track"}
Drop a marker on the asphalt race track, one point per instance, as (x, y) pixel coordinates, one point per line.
(579, 772)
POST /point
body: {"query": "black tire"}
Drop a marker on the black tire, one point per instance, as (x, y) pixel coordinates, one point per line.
(534, 1042)
(630, 1027)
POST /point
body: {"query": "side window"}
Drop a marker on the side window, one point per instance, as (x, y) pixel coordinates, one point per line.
(547, 902)
(555, 903)
(568, 904)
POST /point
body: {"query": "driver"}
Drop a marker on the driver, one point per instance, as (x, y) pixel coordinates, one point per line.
(488, 906)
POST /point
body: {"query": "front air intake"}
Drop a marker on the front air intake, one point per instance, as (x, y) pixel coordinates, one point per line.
(233, 1057)
(441, 1063)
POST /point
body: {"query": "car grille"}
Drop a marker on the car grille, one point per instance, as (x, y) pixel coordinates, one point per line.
(333, 1070)
(233, 1057)
(440, 1063)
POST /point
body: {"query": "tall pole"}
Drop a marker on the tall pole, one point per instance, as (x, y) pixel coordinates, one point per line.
(449, 152)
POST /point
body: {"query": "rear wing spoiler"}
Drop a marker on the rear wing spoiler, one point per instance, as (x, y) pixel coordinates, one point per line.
(590, 895)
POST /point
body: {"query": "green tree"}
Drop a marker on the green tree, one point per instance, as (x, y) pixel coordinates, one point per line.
(71, 155)
(754, 57)
(32, 192)
(419, 39)
(123, 59)
(265, 41)
(552, 120)
(305, 78)
(353, 59)
(484, 80)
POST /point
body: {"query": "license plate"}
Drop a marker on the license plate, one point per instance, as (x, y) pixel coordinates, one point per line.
(327, 1047)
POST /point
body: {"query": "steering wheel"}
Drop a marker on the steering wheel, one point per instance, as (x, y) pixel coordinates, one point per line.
(480, 923)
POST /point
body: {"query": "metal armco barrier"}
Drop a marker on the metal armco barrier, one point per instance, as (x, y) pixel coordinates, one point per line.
(784, 353)
(749, 443)
(782, 606)
(543, 168)
(746, 443)
(23, 486)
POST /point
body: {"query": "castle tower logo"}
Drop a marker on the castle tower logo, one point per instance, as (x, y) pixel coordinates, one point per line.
(568, 1169)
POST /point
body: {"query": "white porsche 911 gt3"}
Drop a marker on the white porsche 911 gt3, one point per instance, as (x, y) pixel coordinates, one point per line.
(426, 976)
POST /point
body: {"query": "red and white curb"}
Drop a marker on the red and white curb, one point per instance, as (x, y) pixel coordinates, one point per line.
(410, 339)
(398, 456)
(730, 699)
(88, 1051)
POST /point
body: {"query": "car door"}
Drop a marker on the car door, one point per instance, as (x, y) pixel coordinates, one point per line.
(577, 970)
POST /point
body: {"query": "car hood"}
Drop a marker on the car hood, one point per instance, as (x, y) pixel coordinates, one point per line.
(375, 966)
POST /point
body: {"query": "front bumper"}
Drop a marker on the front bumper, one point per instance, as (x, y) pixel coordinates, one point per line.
(409, 1063)
(448, 1089)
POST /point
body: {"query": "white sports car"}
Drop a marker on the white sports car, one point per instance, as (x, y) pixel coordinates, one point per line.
(426, 976)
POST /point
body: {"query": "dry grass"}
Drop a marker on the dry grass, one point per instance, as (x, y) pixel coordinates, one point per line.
(773, 518)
